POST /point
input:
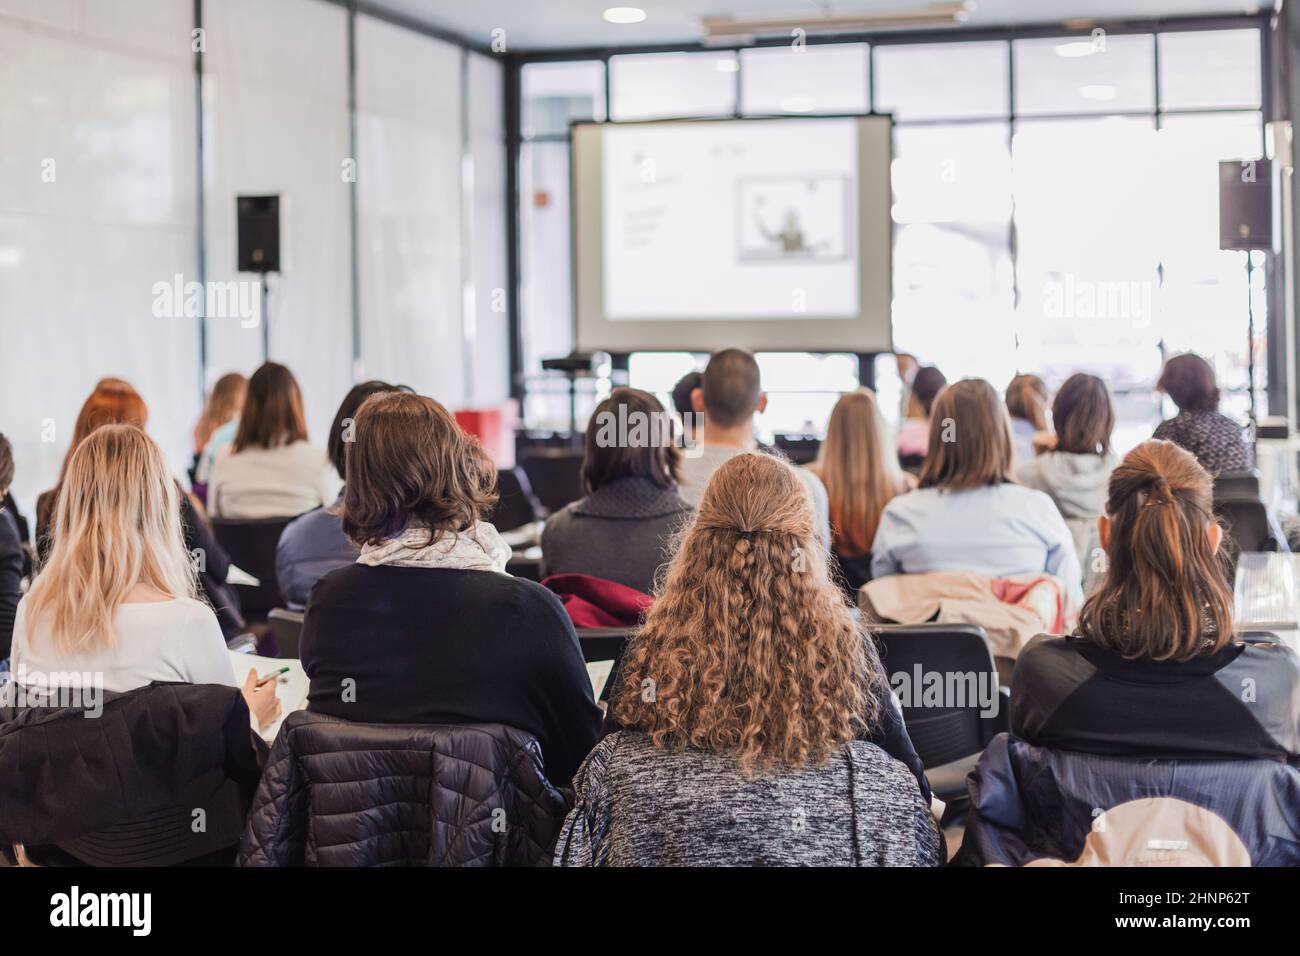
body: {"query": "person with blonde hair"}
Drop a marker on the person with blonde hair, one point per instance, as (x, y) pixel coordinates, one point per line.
(113, 401)
(860, 470)
(217, 424)
(750, 694)
(968, 514)
(117, 596)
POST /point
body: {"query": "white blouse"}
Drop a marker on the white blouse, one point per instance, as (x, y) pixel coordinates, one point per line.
(271, 482)
(176, 640)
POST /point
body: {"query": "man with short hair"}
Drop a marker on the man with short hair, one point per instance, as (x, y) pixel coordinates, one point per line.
(730, 394)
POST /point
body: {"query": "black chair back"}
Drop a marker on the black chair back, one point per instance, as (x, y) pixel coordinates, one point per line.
(251, 546)
(960, 657)
(286, 628)
(516, 504)
(1248, 527)
(555, 475)
(1237, 484)
(604, 644)
(799, 449)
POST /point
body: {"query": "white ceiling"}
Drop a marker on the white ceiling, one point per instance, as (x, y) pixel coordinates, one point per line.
(552, 24)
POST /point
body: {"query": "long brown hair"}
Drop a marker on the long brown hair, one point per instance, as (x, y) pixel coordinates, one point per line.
(860, 470)
(411, 464)
(749, 648)
(1083, 415)
(970, 439)
(1027, 400)
(1165, 595)
(272, 414)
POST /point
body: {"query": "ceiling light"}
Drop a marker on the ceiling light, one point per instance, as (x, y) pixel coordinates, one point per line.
(798, 104)
(1076, 48)
(1101, 92)
(624, 15)
(726, 66)
(721, 29)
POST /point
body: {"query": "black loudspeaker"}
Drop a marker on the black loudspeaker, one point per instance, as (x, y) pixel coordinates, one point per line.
(259, 233)
(1246, 204)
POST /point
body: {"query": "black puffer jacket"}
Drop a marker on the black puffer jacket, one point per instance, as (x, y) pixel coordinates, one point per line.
(337, 793)
(123, 787)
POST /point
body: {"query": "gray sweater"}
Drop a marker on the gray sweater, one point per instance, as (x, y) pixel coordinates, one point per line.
(641, 805)
(621, 532)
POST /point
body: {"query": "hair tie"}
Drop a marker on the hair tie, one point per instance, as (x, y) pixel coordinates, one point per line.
(747, 535)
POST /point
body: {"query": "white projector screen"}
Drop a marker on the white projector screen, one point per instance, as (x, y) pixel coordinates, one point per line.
(766, 234)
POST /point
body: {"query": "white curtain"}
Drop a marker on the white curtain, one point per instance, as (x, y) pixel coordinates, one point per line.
(409, 216)
(276, 122)
(97, 204)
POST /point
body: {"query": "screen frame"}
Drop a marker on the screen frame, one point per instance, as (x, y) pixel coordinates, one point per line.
(870, 332)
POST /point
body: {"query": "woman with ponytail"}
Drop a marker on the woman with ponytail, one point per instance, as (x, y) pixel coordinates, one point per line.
(1156, 668)
(750, 695)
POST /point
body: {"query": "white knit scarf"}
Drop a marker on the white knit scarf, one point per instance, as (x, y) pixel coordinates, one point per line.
(478, 549)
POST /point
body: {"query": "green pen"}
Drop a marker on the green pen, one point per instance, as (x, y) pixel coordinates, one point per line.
(272, 676)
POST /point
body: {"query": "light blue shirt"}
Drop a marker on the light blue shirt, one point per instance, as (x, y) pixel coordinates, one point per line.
(1000, 530)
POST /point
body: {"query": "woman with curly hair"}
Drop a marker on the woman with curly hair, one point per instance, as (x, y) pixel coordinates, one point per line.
(748, 702)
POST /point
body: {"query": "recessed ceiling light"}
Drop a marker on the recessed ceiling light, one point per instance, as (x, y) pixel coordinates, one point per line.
(727, 66)
(798, 104)
(624, 15)
(1101, 92)
(1076, 48)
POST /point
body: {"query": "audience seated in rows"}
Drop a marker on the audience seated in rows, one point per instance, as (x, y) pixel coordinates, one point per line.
(426, 627)
(858, 466)
(314, 543)
(216, 426)
(118, 597)
(1026, 400)
(11, 552)
(1218, 443)
(914, 433)
(730, 395)
(270, 470)
(745, 705)
(1075, 461)
(1156, 668)
(622, 530)
(968, 514)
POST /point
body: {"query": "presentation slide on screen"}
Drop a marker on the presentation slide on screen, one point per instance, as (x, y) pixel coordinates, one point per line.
(730, 220)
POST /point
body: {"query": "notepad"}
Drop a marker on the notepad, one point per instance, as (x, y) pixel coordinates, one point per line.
(291, 687)
(598, 671)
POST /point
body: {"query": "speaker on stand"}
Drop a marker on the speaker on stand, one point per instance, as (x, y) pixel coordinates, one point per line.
(1246, 225)
(258, 219)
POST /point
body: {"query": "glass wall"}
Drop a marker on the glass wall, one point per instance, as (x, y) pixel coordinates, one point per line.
(1055, 200)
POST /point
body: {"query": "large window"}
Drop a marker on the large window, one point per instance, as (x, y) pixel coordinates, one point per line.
(1055, 199)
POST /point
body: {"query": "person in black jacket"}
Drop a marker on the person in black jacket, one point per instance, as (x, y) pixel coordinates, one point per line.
(1156, 669)
(11, 552)
(426, 627)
